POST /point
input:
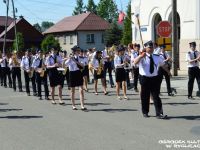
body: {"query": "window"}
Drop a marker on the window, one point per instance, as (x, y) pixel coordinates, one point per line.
(71, 39)
(64, 39)
(90, 38)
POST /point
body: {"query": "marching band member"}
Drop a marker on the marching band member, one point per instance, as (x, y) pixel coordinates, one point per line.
(26, 65)
(14, 63)
(162, 72)
(66, 72)
(85, 71)
(90, 56)
(119, 62)
(76, 77)
(53, 62)
(108, 57)
(98, 66)
(6, 71)
(135, 53)
(41, 75)
(148, 69)
(193, 57)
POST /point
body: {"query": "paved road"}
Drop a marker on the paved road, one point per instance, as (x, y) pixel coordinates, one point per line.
(29, 124)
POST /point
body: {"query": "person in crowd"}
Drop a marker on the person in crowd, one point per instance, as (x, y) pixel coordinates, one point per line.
(14, 63)
(148, 70)
(41, 75)
(53, 62)
(98, 66)
(193, 57)
(76, 76)
(120, 62)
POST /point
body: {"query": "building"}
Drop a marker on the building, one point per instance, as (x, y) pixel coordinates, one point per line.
(154, 11)
(32, 37)
(86, 30)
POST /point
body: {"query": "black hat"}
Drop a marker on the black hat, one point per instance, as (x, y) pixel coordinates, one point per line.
(192, 44)
(149, 44)
(75, 48)
(38, 51)
(137, 45)
(120, 48)
(98, 52)
(162, 46)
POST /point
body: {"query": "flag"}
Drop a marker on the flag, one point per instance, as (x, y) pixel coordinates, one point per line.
(121, 17)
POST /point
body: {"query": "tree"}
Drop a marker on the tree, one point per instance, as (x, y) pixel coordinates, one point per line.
(38, 27)
(20, 41)
(79, 9)
(127, 31)
(46, 25)
(107, 9)
(113, 35)
(91, 7)
(49, 41)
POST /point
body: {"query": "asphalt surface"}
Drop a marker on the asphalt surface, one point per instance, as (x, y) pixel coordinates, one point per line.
(27, 123)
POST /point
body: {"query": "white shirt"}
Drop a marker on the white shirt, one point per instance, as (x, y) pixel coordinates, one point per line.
(144, 65)
(134, 54)
(190, 56)
(83, 60)
(105, 55)
(25, 65)
(12, 65)
(157, 50)
(71, 64)
(3, 62)
(117, 61)
(51, 60)
(95, 62)
(36, 63)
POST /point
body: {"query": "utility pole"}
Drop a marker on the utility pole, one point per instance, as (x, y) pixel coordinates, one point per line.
(174, 38)
(13, 6)
(6, 24)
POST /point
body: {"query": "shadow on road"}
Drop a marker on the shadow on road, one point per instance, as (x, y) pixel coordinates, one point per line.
(6, 110)
(21, 117)
(185, 117)
(3, 103)
(110, 110)
(175, 104)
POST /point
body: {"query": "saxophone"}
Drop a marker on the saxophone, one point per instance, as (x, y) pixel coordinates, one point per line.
(100, 68)
(15, 61)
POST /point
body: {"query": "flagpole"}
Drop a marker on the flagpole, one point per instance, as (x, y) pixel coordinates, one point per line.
(6, 24)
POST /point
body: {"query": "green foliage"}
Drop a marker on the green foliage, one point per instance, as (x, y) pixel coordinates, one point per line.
(79, 9)
(38, 27)
(91, 7)
(127, 31)
(49, 41)
(107, 9)
(46, 25)
(19, 40)
(113, 35)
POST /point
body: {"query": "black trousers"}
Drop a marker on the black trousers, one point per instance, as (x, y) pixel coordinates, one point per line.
(27, 79)
(108, 67)
(1, 76)
(6, 73)
(136, 77)
(193, 73)
(16, 73)
(127, 71)
(67, 76)
(39, 81)
(162, 73)
(150, 85)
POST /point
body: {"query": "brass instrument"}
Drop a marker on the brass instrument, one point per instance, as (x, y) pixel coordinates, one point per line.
(30, 73)
(100, 68)
(15, 60)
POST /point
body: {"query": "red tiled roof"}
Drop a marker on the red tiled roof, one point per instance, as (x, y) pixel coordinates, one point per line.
(82, 22)
(3, 19)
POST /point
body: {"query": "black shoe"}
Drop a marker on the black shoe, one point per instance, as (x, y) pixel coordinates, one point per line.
(161, 116)
(170, 94)
(136, 90)
(46, 98)
(28, 94)
(145, 115)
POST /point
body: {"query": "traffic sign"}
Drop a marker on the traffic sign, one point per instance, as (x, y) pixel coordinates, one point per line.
(164, 29)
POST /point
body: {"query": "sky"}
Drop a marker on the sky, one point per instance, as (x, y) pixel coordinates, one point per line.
(36, 11)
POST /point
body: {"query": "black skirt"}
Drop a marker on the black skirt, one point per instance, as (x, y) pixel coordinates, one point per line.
(75, 78)
(55, 77)
(120, 74)
(85, 71)
(100, 76)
